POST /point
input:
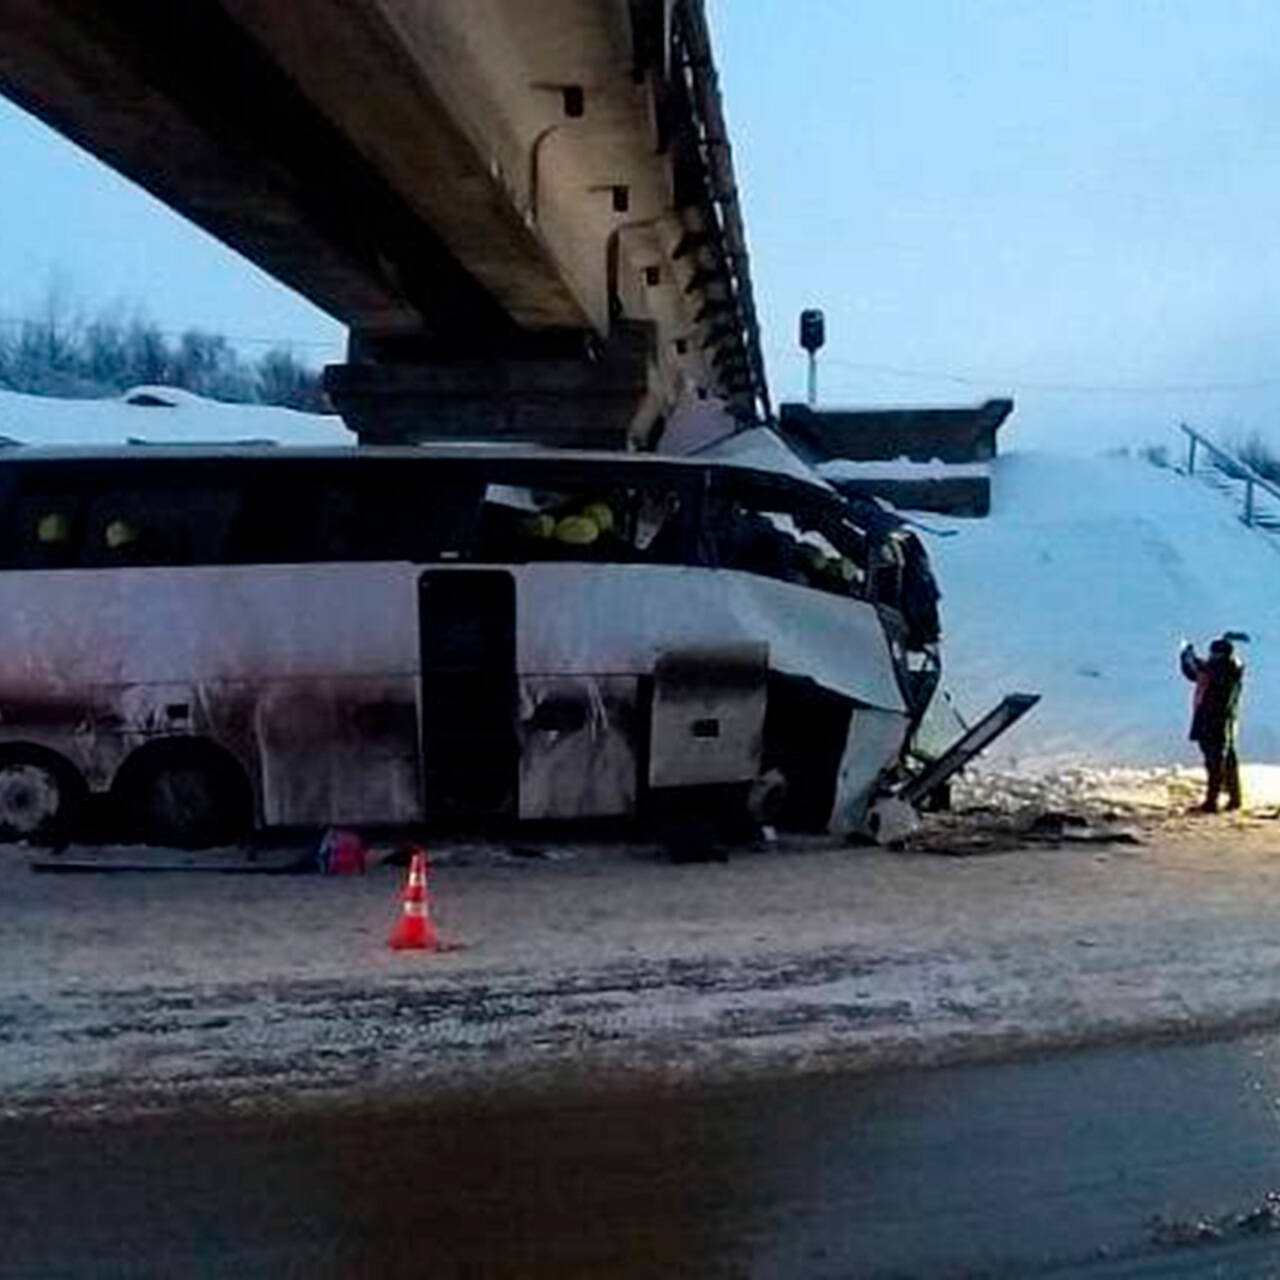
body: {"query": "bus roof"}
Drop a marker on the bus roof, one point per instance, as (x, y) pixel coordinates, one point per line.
(479, 451)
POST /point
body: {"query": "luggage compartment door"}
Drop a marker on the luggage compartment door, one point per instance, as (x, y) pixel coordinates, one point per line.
(708, 715)
(467, 621)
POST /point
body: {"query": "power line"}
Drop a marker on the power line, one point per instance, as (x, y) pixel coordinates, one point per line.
(16, 322)
(1017, 384)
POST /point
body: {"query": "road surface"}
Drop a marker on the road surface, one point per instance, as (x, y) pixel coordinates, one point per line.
(1119, 1162)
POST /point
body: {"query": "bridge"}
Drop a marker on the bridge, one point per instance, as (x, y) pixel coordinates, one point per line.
(524, 213)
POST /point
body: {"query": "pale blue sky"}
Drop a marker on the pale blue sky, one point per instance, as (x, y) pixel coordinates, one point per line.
(74, 228)
(1024, 195)
(1073, 201)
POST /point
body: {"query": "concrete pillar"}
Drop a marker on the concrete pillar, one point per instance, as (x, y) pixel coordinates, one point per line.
(590, 400)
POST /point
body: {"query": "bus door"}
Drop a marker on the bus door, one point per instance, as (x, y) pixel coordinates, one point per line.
(467, 623)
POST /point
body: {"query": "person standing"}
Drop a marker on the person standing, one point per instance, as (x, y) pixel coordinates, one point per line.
(1218, 680)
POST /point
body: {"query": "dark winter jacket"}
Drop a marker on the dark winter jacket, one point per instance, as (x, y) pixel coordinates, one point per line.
(1217, 679)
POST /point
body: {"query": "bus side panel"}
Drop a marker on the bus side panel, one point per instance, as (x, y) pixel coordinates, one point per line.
(307, 674)
(578, 746)
(587, 619)
(596, 623)
(334, 649)
(339, 751)
(876, 738)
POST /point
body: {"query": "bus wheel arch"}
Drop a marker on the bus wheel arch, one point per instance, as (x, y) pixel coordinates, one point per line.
(42, 794)
(184, 792)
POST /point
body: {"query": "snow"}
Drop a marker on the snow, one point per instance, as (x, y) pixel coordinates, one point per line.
(902, 469)
(183, 418)
(594, 964)
(1080, 586)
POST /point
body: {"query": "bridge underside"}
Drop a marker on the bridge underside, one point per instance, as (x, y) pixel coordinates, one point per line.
(524, 212)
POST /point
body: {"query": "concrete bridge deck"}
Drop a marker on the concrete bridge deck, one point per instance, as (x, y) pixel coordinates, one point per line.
(505, 202)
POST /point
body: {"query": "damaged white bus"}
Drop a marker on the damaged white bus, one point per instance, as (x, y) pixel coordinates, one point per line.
(204, 641)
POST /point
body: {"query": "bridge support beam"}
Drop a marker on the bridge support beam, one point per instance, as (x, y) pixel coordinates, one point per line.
(601, 399)
(458, 181)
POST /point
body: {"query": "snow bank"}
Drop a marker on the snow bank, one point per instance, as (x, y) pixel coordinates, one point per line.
(1080, 586)
(902, 469)
(160, 415)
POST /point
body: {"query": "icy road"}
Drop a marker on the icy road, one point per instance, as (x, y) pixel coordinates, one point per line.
(602, 964)
(1099, 1164)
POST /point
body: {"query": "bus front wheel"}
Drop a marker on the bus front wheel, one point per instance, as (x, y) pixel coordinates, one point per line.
(186, 794)
(41, 795)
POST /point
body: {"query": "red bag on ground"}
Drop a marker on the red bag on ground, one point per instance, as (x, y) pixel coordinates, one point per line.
(342, 853)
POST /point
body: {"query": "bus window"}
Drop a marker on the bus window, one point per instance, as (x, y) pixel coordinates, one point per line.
(773, 544)
(381, 512)
(783, 530)
(529, 524)
(889, 565)
(41, 519)
(53, 529)
(748, 540)
(144, 526)
(625, 525)
(48, 532)
(307, 512)
(40, 527)
(821, 562)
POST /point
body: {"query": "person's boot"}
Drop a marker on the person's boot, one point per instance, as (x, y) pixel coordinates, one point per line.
(1213, 785)
(1233, 785)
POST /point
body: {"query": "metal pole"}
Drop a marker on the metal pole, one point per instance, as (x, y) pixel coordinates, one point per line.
(813, 379)
(1248, 501)
(1191, 455)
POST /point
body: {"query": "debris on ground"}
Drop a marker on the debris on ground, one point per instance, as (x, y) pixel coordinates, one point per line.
(995, 812)
(1260, 1219)
(231, 860)
(977, 831)
(1134, 793)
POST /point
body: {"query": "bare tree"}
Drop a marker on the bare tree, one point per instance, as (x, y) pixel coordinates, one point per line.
(283, 380)
(58, 352)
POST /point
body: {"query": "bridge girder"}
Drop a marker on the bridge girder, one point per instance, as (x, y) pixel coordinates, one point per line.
(467, 184)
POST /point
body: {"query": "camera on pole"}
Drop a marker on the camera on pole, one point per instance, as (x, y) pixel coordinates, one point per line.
(813, 333)
(812, 330)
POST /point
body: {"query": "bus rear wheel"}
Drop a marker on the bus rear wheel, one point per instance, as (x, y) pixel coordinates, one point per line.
(188, 795)
(41, 795)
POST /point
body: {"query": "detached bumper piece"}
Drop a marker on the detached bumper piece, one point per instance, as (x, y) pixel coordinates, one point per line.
(1001, 718)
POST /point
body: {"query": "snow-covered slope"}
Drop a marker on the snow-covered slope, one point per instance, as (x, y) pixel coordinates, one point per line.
(178, 418)
(1080, 585)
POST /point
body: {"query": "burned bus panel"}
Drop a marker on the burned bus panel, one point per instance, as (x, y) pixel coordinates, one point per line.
(580, 746)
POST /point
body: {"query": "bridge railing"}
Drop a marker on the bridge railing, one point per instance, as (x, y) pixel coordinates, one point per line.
(1235, 467)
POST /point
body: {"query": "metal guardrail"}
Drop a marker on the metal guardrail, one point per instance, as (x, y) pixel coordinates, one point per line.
(1235, 467)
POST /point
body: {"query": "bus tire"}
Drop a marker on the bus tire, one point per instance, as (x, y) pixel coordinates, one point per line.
(183, 793)
(42, 795)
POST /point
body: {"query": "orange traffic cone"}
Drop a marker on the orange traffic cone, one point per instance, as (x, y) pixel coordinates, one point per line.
(415, 930)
